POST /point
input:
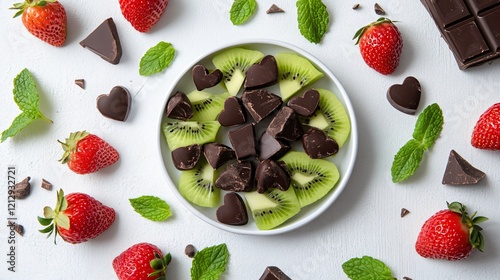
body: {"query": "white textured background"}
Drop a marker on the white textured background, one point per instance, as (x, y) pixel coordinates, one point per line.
(365, 220)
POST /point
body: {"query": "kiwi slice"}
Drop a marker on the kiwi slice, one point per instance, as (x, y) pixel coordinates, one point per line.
(234, 64)
(273, 207)
(330, 117)
(197, 185)
(181, 134)
(206, 106)
(311, 178)
(294, 73)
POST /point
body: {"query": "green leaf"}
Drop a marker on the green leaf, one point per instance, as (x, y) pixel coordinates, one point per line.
(210, 263)
(406, 161)
(241, 11)
(156, 59)
(313, 19)
(479, 219)
(44, 221)
(429, 125)
(151, 207)
(20, 122)
(366, 268)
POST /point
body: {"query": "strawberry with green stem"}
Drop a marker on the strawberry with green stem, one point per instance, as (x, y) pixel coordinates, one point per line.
(143, 14)
(141, 261)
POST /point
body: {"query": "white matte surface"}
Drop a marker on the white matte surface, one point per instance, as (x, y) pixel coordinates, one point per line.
(365, 220)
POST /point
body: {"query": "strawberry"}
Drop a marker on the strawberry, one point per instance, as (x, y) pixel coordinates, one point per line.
(143, 14)
(486, 134)
(450, 234)
(380, 44)
(46, 19)
(141, 261)
(86, 153)
(77, 218)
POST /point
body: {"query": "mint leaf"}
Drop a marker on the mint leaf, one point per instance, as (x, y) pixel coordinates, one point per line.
(429, 125)
(156, 59)
(313, 19)
(151, 207)
(241, 11)
(366, 268)
(210, 263)
(407, 160)
(20, 122)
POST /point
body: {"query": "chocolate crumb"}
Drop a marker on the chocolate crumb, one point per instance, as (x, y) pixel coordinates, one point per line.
(274, 9)
(404, 212)
(190, 251)
(379, 10)
(80, 83)
(22, 189)
(17, 227)
(355, 7)
(46, 184)
(407, 278)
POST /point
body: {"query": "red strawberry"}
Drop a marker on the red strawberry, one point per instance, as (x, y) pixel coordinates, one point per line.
(86, 153)
(141, 261)
(450, 234)
(380, 44)
(77, 218)
(486, 134)
(143, 14)
(46, 19)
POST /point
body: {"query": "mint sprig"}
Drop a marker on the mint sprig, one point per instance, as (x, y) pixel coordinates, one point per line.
(366, 268)
(151, 207)
(156, 59)
(313, 19)
(210, 263)
(241, 11)
(26, 97)
(427, 129)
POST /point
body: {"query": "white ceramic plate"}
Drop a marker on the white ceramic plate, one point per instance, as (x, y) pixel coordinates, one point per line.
(344, 159)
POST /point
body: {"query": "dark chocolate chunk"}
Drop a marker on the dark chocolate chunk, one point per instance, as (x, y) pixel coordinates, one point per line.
(46, 184)
(243, 141)
(80, 83)
(407, 278)
(355, 7)
(272, 148)
(260, 103)
(469, 27)
(306, 104)
(274, 9)
(262, 74)
(190, 250)
(218, 154)
(460, 172)
(318, 145)
(270, 174)
(22, 189)
(232, 114)
(115, 105)
(179, 107)
(237, 177)
(233, 211)
(285, 125)
(186, 158)
(104, 41)
(378, 10)
(202, 79)
(405, 97)
(16, 227)
(274, 273)
(404, 212)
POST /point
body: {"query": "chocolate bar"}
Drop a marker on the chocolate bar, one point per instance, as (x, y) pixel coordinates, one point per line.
(471, 28)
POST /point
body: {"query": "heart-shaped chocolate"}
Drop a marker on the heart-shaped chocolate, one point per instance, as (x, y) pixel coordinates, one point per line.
(405, 97)
(263, 74)
(116, 104)
(233, 211)
(306, 104)
(317, 145)
(232, 114)
(202, 79)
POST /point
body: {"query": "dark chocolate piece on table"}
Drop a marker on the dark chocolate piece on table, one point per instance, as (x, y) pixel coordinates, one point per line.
(260, 103)
(202, 79)
(218, 154)
(16, 227)
(274, 273)
(233, 211)
(355, 7)
(460, 172)
(469, 27)
(274, 9)
(115, 105)
(306, 104)
(179, 107)
(190, 250)
(407, 278)
(23, 188)
(378, 10)
(232, 114)
(285, 125)
(405, 97)
(80, 83)
(270, 174)
(105, 42)
(243, 141)
(318, 145)
(262, 74)
(186, 158)
(404, 212)
(46, 184)
(237, 177)
(270, 147)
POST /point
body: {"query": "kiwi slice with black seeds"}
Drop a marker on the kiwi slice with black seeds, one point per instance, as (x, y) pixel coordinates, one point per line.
(206, 106)
(197, 185)
(181, 134)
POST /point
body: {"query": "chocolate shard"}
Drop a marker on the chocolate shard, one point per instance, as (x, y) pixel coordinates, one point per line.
(233, 211)
(405, 97)
(218, 154)
(271, 148)
(355, 6)
(260, 103)
(404, 212)
(378, 10)
(285, 125)
(460, 172)
(274, 9)
(190, 251)
(186, 158)
(105, 42)
(243, 141)
(318, 145)
(22, 189)
(179, 107)
(306, 104)
(115, 105)
(16, 227)
(232, 114)
(270, 174)
(274, 273)
(46, 184)
(237, 177)
(262, 74)
(202, 79)
(80, 83)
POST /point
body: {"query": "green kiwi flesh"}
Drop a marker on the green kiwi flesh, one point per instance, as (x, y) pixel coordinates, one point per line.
(273, 207)
(234, 64)
(294, 73)
(197, 185)
(181, 134)
(206, 106)
(331, 117)
(311, 179)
